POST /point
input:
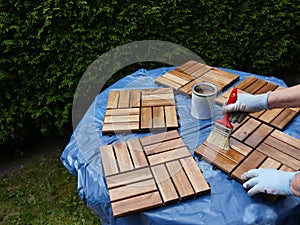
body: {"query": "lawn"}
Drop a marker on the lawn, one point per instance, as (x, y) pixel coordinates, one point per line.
(43, 193)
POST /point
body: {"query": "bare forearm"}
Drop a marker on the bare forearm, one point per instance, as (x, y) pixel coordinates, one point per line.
(295, 185)
(285, 98)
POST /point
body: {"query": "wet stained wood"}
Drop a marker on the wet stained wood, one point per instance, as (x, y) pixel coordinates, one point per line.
(246, 129)
(251, 162)
(258, 135)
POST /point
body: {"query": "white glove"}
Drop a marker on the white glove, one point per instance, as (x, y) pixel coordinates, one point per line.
(246, 103)
(269, 181)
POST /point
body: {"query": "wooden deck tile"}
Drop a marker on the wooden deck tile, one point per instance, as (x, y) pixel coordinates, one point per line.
(138, 181)
(186, 76)
(253, 145)
(140, 110)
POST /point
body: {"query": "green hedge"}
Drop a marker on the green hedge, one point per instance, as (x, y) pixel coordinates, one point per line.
(47, 45)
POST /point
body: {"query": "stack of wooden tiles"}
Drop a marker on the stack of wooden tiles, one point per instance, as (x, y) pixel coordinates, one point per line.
(254, 144)
(184, 77)
(140, 110)
(278, 118)
(149, 172)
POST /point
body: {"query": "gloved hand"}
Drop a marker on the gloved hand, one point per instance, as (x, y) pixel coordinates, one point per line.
(246, 103)
(269, 181)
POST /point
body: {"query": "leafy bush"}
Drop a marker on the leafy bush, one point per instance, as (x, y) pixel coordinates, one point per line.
(47, 45)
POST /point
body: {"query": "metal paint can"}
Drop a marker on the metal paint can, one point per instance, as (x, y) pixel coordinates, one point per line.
(203, 100)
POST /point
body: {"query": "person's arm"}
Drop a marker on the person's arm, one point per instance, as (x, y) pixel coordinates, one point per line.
(285, 98)
(248, 103)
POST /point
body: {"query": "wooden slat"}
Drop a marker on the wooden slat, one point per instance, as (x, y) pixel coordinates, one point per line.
(157, 97)
(146, 118)
(228, 76)
(194, 68)
(180, 180)
(251, 162)
(270, 115)
(240, 147)
(258, 135)
(171, 117)
(137, 153)
(136, 204)
(181, 75)
(286, 168)
(160, 102)
(218, 160)
(113, 100)
(166, 82)
(255, 86)
(120, 127)
(158, 138)
(268, 87)
(109, 162)
(198, 73)
(123, 157)
(128, 177)
(164, 183)
(130, 190)
(186, 65)
(286, 138)
(158, 117)
(157, 91)
(195, 176)
(270, 164)
(246, 83)
(123, 112)
(168, 156)
(124, 99)
(283, 147)
(175, 78)
(211, 79)
(279, 156)
(135, 98)
(284, 118)
(246, 129)
(230, 153)
(120, 119)
(187, 89)
(164, 146)
(222, 78)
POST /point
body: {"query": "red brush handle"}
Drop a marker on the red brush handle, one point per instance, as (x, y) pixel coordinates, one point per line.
(232, 99)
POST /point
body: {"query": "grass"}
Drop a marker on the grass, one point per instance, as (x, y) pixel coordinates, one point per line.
(43, 193)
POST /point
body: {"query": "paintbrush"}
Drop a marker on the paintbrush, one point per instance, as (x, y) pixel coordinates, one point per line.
(220, 135)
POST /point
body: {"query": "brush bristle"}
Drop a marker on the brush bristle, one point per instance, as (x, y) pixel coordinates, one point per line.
(219, 139)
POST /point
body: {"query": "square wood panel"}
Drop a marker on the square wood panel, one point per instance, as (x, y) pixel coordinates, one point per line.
(184, 77)
(149, 172)
(277, 118)
(253, 144)
(140, 110)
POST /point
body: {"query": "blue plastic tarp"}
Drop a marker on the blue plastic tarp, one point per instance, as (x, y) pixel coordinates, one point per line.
(228, 202)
